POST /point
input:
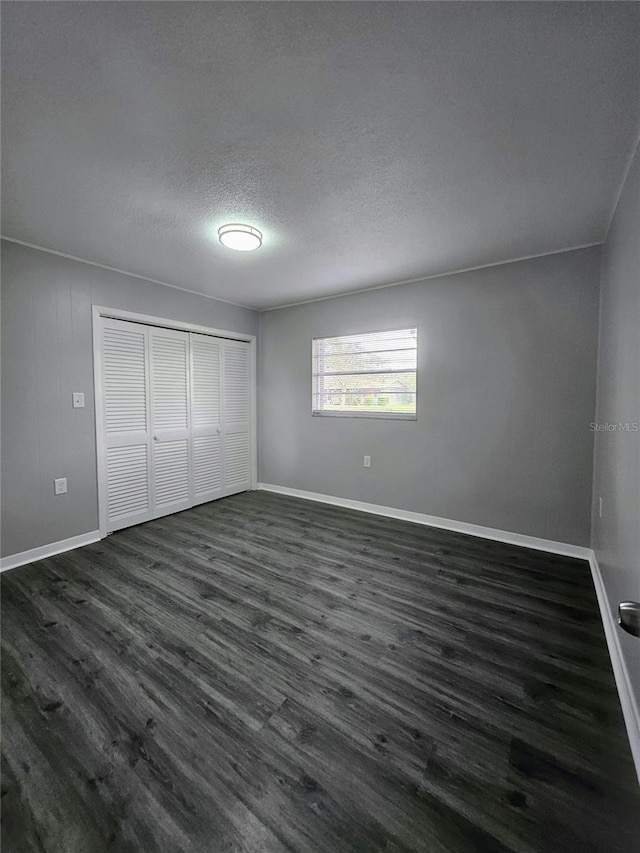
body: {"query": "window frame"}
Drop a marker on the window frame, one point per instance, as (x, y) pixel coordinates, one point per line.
(395, 416)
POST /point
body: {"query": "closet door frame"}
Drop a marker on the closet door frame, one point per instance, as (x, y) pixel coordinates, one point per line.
(98, 312)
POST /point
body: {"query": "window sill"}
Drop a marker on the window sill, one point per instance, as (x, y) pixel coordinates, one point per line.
(388, 416)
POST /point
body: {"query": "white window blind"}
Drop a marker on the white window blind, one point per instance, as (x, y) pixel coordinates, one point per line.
(371, 374)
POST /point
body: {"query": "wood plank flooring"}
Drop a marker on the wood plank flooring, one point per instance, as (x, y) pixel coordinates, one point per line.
(264, 674)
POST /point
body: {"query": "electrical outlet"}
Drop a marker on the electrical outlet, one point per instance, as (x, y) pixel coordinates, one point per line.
(60, 486)
(78, 400)
(367, 462)
(600, 506)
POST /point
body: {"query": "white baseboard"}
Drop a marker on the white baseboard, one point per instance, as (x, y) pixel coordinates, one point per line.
(623, 682)
(621, 674)
(509, 538)
(15, 560)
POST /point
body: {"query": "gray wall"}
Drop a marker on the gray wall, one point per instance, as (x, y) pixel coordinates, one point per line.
(46, 355)
(616, 536)
(506, 393)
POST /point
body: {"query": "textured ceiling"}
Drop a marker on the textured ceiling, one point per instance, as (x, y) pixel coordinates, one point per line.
(371, 142)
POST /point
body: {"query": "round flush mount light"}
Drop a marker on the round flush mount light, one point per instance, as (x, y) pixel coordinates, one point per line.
(242, 238)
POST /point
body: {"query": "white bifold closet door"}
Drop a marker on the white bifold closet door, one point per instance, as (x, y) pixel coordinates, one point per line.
(220, 417)
(126, 406)
(170, 427)
(176, 418)
(236, 453)
(206, 418)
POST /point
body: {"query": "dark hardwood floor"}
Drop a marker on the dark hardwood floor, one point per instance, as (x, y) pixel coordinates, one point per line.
(265, 674)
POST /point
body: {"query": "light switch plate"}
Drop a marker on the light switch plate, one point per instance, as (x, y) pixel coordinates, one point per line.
(78, 400)
(60, 486)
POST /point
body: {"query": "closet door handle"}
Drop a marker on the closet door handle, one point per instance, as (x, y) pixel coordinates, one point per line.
(155, 438)
(218, 431)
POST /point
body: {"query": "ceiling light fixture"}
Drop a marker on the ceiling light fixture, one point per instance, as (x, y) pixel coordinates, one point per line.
(242, 238)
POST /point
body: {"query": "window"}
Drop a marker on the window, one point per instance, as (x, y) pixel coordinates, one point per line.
(368, 375)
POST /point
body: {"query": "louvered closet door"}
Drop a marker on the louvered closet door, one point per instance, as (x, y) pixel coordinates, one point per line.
(126, 423)
(206, 421)
(236, 448)
(170, 420)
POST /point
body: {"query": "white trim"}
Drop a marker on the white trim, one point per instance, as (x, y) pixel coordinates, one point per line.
(434, 275)
(318, 298)
(253, 426)
(24, 557)
(99, 311)
(389, 416)
(623, 682)
(121, 272)
(496, 535)
(627, 697)
(167, 323)
(621, 674)
(98, 394)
